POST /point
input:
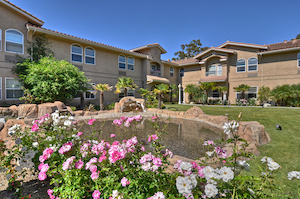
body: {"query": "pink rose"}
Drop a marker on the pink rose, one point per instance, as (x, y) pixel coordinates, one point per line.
(112, 135)
(34, 128)
(79, 133)
(125, 182)
(50, 192)
(91, 121)
(42, 176)
(96, 194)
(79, 164)
(95, 175)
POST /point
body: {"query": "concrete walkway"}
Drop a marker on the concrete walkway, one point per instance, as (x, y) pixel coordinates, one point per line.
(200, 105)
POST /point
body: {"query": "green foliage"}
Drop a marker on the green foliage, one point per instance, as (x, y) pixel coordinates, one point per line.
(101, 88)
(264, 94)
(206, 87)
(160, 90)
(150, 98)
(173, 91)
(189, 50)
(286, 94)
(39, 48)
(195, 92)
(242, 88)
(125, 83)
(51, 79)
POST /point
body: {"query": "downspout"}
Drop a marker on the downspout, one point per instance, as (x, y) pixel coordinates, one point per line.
(262, 71)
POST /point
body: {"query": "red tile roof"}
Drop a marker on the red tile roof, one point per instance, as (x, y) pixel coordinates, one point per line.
(213, 79)
(74, 37)
(284, 45)
(186, 61)
(20, 9)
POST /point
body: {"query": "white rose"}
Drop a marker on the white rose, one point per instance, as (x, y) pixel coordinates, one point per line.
(35, 144)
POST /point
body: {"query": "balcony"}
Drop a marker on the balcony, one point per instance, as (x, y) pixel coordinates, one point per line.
(210, 73)
(155, 72)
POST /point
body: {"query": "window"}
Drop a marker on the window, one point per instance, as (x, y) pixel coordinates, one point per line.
(252, 64)
(241, 65)
(298, 59)
(122, 62)
(0, 41)
(13, 88)
(155, 69)
(14, 41)
(181, 72)
(171, 71)
(252, 93)
(130, 63)
(89, 94)
(76, 53)
(215, 94)
(130, 93)
(89, 56)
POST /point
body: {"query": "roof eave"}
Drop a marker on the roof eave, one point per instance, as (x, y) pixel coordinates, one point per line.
(278, 51)
(189, 64)
(57, 34)
(246, 45)
(213, 49)
(37, 21)
(163, 51)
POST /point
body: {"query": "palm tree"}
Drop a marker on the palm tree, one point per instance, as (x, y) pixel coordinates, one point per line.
(125, 83)
(101, 88)
(173, 91)
(263, 94)
(160, 90)
(222, 90)
(243, 88)
(190, 89)
(206, 87)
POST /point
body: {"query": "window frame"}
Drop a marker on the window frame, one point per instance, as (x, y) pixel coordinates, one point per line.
(214, 92)
(90, 91)
(14, 42)
(6, 89)
(240, 66)
(121, 62)
(71, 58)
(181, 73)
(133, 68)
(252, 64)
(85, 55)
(298, 59)
(171, 71)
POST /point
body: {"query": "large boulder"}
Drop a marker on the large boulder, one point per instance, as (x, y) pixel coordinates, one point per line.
(46, 108)
(14, 110)
(28, 111)
(60, 105)
(9, 123)
(5, 111)
(253, 132)
(127, 104)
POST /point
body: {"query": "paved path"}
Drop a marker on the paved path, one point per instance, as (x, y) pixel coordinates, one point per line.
(241, 106)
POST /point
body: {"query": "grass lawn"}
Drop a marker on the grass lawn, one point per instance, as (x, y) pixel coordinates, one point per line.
(284, 146)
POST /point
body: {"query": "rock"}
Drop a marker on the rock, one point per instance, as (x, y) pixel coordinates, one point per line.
(6, 111)
(11, 122)
(79, 113)
(266, 105)
(14, 110)
(60, 105)
(127, 104)
(70, 111)
(193, 112)
(90, 113)
(46, 108)
(28, 111)
(1, 126)
(253, 132)
(2, 120)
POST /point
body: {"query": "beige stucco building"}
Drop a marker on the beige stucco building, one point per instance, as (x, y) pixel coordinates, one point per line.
(229, 64)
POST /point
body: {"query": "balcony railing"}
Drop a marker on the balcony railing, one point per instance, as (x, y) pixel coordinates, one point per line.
(210, 73)
(155, 72)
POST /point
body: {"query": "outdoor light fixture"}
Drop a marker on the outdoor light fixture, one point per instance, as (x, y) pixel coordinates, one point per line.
(278, 127)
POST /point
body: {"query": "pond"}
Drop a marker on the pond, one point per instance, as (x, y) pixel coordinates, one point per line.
(184, 137)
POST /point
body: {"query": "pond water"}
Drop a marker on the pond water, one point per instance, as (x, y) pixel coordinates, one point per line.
(184, 137)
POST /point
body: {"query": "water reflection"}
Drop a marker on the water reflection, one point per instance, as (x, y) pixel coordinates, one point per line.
(183, 137)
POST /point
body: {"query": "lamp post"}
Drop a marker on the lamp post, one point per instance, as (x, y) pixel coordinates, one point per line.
(179, 87)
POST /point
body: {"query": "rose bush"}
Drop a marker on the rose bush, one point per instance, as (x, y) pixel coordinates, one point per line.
(82, 167)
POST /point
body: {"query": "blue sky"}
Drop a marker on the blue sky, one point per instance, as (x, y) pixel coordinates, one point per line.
(132, 23)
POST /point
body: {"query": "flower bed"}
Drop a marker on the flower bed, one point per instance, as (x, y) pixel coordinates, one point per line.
(86, 168)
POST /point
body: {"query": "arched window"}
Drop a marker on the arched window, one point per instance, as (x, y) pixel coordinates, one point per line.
(14, 41)
(0, 42)
(252, 64)
(171, 71)
(89, 55)
(298, 59)
(181, 72)
(130, 63)
(122, 62)
(241, 65)
(76, 53)
(155, 69)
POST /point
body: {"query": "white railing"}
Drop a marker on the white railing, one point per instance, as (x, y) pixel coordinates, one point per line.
(155, 72)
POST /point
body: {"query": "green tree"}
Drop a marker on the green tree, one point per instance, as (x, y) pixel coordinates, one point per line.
(206, 87)
(50, 79)
(298, 36)
(39, 48)
(191, 90)
(264, 94)
(160, 90)
(101, 88)
(243, 88)
(173, 91)
(222, 90)
(125, 83)
(189, 50)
